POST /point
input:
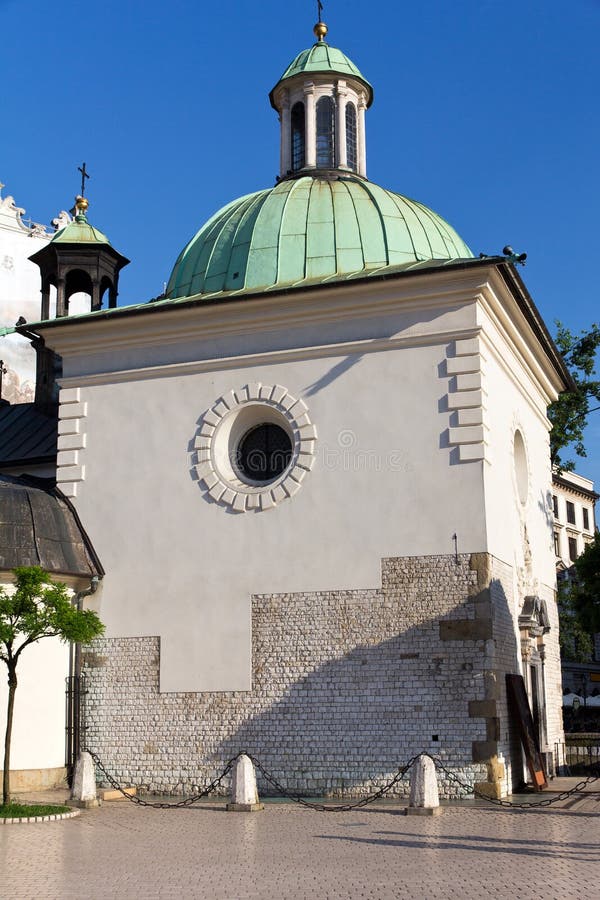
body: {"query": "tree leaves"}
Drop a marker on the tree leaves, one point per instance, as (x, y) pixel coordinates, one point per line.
(587, 594)
(41, 608)
(570, 412)
(37, 608)
(575, 641)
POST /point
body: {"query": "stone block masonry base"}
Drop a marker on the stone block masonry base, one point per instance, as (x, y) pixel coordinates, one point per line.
(347, 686)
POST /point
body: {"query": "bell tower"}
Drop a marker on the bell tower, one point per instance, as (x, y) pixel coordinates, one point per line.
(321, 99)
(79, 259)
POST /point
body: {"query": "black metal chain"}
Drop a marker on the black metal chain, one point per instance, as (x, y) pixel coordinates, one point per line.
(471, 789)
(346, 807)
(322, 807)
(214, 784)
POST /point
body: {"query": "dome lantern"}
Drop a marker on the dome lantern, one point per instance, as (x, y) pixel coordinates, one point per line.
(321, 99)
(79, 258)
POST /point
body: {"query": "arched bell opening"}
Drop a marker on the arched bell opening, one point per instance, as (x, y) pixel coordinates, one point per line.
(351, 137)
(298, 137)
(107, 285)
(78, 294)
(325, 133)
(48, 298)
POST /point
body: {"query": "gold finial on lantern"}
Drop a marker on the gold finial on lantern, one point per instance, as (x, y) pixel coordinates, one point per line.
(81, 205)
(320, 30)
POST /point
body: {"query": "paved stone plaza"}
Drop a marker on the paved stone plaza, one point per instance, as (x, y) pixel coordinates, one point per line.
(122, 850)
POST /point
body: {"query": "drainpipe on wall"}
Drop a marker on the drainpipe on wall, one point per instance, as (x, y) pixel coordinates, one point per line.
(74, 694)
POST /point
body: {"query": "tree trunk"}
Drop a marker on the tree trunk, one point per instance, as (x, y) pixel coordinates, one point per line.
(12, 687)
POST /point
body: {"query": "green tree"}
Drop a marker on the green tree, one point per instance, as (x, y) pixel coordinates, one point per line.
(37, 608)
(587, 593)
(570, 412)
(575, 641)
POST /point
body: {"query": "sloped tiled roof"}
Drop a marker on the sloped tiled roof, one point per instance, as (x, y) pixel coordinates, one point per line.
(40, 527)
(27, 435)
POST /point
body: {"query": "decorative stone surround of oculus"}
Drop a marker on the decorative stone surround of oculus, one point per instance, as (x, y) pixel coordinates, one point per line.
(212, 456)
(346, 686)
(467, 400)
(71, 440)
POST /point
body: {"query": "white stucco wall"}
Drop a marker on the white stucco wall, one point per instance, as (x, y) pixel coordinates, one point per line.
(397, 471)
(382, 485)
(519, 533)
(38, 740)
(19, 296)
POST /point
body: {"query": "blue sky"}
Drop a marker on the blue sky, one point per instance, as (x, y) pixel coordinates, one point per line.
(486, 112)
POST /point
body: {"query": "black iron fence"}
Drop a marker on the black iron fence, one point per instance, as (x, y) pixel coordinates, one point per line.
(582, 753)
(76, 692)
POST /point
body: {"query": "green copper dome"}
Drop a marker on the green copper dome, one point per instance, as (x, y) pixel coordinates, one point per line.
(307, 230)
(79, 231)
(323, 59)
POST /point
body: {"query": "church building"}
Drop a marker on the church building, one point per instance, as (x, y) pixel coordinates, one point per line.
(316, 477)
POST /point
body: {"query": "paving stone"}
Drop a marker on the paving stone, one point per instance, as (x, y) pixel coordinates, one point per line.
(290, 853)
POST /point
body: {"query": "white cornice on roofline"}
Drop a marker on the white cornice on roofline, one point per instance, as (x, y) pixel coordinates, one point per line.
(575, 484)
(269, 312)
(329, 304)
(270, 357)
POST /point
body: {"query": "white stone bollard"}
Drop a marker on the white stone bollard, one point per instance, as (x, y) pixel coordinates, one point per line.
(83, 791)
(424, 797)
(244, 793)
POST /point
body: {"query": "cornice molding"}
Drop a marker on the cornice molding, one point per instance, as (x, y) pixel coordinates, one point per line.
(505, 313)
(268, 357)
(267, 313)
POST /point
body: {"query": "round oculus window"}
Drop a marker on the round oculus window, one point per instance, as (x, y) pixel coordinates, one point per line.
(263, 453)
(254, 447)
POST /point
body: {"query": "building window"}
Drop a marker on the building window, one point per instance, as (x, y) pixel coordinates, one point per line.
(570, 512)
(572, 549)
(586, 519)
(264, 453)
(325, 133)
(351, 156)
(298, 139)
(555, 505)
(251, 452)
(556, 543)
(521, 467)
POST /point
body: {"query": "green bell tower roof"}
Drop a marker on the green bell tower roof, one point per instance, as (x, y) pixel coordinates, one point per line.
(307, 230)
(79, 231)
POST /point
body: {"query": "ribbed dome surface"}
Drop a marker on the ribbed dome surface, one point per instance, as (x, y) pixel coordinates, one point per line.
(307, 230)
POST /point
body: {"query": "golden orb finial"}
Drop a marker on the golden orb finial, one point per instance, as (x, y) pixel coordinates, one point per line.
(81, 205)
(320, 30)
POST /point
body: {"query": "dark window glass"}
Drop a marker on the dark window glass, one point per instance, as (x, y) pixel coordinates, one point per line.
(298, 139)
(572, 549)
(586, 519)
(555, 505)
(570, 512)
(351, 156)
(325, 133)
(264, 453)
(556, 544)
